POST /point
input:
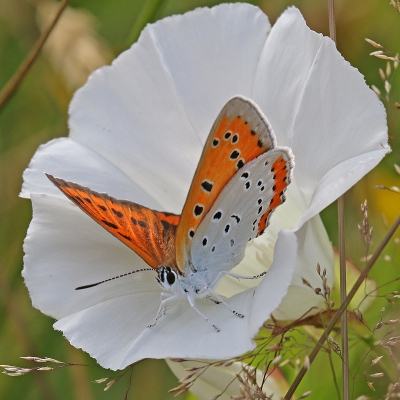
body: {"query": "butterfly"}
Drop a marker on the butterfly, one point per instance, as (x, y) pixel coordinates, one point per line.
(240, 180)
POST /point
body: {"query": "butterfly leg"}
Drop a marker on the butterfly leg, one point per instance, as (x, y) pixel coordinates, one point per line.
(220, 300)
(163, 308)
(244, 276)
(213, 300)
(191, 302)
(218, 277)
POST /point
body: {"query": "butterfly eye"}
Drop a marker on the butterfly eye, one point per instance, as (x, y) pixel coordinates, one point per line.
(166, 275)
(171, 277)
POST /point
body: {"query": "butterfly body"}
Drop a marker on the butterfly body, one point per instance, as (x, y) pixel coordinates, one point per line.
(191, 283)
(240, 179)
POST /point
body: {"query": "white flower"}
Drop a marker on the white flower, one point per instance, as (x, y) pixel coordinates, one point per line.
(136, 132)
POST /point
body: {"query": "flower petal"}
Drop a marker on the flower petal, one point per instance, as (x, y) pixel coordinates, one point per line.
(283, 69)
(275, 284)
(107, 330)
(319, 106)
(135, 341)
(313, 248)
(75, 162)
(340, 179)
(204, 76)
(350, 113)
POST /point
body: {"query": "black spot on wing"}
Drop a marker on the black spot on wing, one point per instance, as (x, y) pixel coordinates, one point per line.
(207, 186)
(125, 236)
(165, 224)
(217, 215)
(117, 213)
(240, 164)
(110, 224)
(198, 209)
(236, 217)
(234, 155)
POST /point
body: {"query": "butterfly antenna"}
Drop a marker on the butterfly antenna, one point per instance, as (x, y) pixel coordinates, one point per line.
(115, 277)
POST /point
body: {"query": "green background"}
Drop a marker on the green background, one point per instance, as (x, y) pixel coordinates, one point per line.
(38, 113)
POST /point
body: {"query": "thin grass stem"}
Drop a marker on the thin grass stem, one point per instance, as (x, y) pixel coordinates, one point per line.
(332, 24)
(342, 250)
(343, 292)
(13, 83)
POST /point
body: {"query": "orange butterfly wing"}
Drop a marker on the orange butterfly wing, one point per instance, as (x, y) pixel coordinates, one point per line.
(151, 234)
(239, 135)
(281, 168)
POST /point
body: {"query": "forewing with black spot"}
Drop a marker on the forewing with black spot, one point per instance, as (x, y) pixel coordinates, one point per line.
(239, 135)
(151, 234)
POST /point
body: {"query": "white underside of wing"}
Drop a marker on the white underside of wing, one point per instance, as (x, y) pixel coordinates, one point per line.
(220, 241)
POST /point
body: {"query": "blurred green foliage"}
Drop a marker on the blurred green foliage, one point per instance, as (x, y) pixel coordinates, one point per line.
(38, 112)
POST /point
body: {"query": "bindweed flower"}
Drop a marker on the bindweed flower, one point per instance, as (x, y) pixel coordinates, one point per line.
(137, 129)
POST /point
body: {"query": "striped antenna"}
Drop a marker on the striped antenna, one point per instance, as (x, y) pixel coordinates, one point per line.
(115, 277)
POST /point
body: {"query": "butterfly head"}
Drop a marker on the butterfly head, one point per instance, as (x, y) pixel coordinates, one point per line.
(167, 277)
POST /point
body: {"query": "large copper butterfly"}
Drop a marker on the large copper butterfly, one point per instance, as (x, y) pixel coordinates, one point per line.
(240, 179)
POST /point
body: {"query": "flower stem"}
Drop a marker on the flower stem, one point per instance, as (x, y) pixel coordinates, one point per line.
(342, 308)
